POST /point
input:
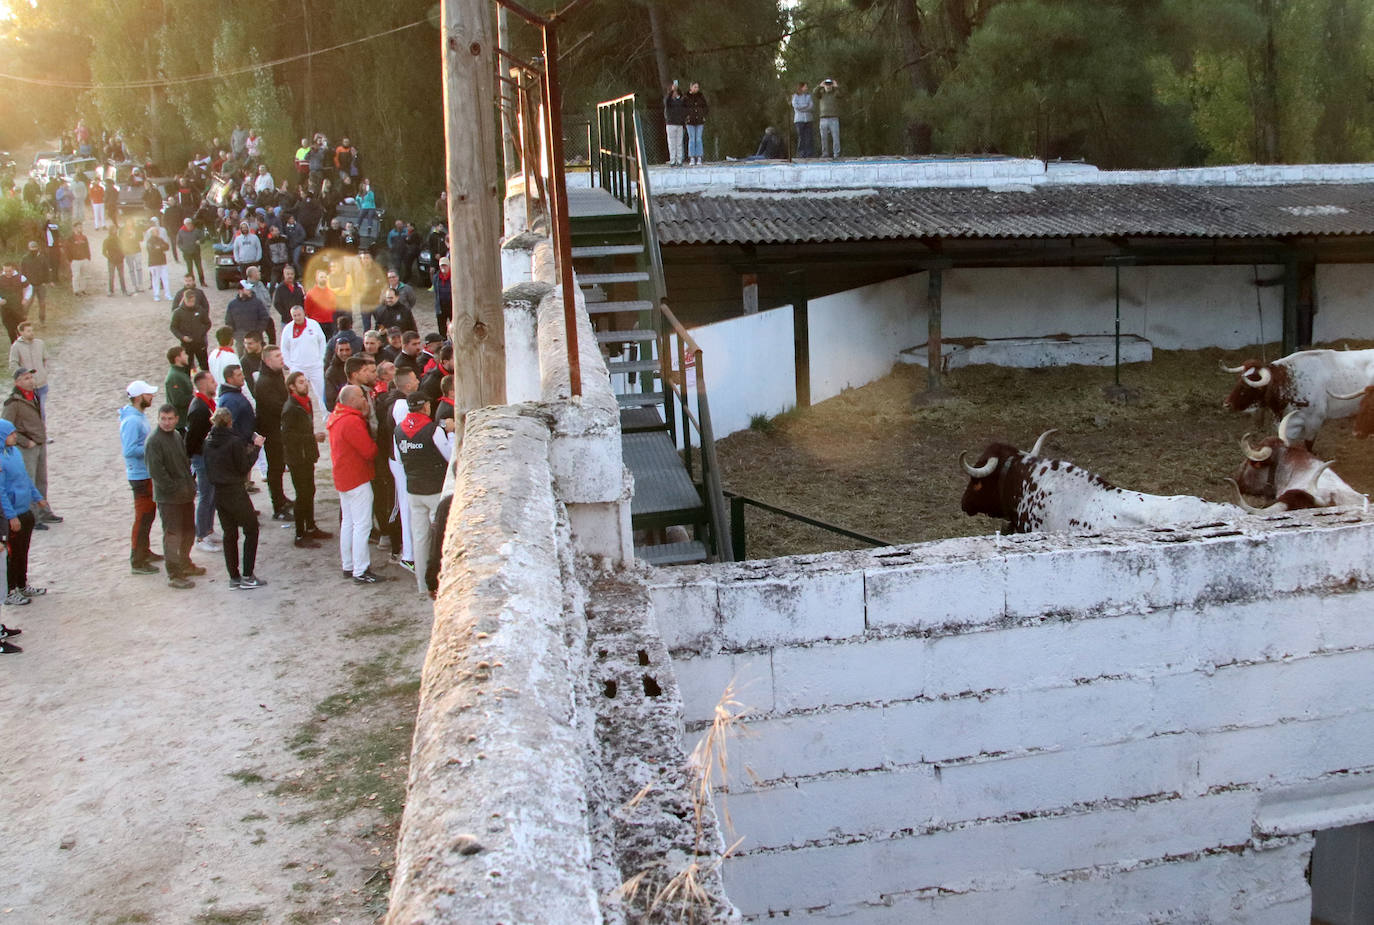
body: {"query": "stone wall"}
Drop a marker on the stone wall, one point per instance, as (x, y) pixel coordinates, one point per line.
(1139, 727)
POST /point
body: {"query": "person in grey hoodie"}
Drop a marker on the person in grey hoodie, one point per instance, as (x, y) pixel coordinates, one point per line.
(188, 245)
(247, 248)
(804, 120)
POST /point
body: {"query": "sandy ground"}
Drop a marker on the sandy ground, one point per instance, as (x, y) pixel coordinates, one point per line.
(133, 703)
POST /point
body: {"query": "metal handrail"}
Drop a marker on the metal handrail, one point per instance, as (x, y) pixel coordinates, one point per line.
(737, 529)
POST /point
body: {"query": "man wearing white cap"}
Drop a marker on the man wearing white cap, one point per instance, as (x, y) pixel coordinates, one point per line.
(133, 437)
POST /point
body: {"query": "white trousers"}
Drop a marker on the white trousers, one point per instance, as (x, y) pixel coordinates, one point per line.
(677, 139)
(422, 508)
(157, 281)
(398, 474)
(79, 270)
(98, 215)
(355, 506)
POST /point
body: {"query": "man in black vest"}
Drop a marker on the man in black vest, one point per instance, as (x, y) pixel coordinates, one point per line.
(424, 449)
(300, 443)
(272, 397)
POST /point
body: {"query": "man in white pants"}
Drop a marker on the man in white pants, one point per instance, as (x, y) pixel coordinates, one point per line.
(351, 453)
(302, 348)
(425, 449)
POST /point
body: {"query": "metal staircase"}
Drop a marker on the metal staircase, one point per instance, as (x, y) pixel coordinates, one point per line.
(648, 353)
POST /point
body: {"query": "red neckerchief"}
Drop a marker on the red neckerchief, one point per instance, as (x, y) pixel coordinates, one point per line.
(209, 402)
(380, 388)
(303, 401)
(28, 396)
(412, 422)
(297, 328)
(447, 401)
(219, 350)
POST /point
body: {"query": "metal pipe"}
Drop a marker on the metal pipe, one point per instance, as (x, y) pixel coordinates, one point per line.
(553, 101)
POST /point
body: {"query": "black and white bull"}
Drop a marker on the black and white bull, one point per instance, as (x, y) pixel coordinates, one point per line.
(1035, 494)
(1320, 385)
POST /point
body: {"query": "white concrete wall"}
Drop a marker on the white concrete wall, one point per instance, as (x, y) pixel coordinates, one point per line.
(750, 367)
(856, 335)
(1345, 302)
(1138, 728)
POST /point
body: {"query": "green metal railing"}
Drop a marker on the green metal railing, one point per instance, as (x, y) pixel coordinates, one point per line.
(620, 167)
(739, 539)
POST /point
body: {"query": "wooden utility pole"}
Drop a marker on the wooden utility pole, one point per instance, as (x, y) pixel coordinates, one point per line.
(474, 205)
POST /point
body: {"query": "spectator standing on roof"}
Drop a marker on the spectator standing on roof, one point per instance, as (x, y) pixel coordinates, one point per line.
(828, 107)
(675, 120)
(804, 120)
(696, 123)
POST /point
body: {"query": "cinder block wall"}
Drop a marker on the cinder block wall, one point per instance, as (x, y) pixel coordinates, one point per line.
(1140, 727)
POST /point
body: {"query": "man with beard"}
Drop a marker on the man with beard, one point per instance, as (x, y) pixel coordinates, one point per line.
(300, 449)
(197, 428)
(289, 293)
(302, 345)
(190, 325)
(23, 411)
(335, 376)
(393, 313)
(273, 396)
(174, 492)
(178, 385)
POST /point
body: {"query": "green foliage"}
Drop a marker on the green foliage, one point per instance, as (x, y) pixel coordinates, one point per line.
(18, 223)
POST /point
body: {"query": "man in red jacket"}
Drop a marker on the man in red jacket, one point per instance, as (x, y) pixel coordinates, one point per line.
(352, 451)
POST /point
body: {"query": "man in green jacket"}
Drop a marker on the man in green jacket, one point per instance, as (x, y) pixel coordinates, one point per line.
(828, 108)
(178, 385)
(174, 491)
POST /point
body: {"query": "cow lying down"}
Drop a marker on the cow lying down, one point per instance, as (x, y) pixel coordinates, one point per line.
(1035, 494)
(1282, 470)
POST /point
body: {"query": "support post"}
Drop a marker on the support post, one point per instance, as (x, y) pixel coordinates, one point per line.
(507, 102)
(801, 340)
(737, 528)
(1290, 303)
(749, 286)
(934, 320)
(474, 204)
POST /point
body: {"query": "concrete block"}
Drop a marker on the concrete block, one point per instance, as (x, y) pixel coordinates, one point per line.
(792, 608)
(1285, 752)
(1328, 803)
(1251, 630)
(1052, 780)
(703, 681)
(1343, 620)
(814, 743)
(687, 612)
(928, 595)
(849, 673)
(957, 859)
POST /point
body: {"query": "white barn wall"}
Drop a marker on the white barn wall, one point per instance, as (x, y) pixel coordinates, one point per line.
(856, 335)
(1345, 302)
(1036, 728)
(750, 367)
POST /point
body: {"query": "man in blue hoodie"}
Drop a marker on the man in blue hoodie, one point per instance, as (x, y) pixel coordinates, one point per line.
(17, 497)
(133, 437)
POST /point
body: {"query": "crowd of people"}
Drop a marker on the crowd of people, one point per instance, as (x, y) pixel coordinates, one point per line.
(285, 373)
(684, 119)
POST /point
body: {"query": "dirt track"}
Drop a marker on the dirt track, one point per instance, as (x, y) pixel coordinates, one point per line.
(191, 756)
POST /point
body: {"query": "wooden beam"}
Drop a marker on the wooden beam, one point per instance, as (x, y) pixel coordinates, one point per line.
(934, 298)
(1290, 303)
(474, 204)
(801, 340)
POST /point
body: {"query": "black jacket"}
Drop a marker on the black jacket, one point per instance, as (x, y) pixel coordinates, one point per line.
(430, 383)
(298, 436)
(271, 395)
(385, 316)
(696, 108)
(675, 109)
(169, 468)
(284, 298)
(197, 426)
(190, 325)
(228, 460)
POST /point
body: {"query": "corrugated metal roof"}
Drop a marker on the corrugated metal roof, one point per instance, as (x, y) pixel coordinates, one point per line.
(1047, 211)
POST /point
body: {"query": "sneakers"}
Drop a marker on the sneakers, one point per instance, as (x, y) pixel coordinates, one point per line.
(235, 583)
(251, 581)
(154, 557)
(408, 566)
(193, 569)
(315, 533)
(207, 545)
(143, 568)
(367, 578)
(303, 542)
(16, 598)
(8, 631)
(49, 517)
(40, 525)
(31, 591)
(180, 583)
(9, 648)
(283, 515)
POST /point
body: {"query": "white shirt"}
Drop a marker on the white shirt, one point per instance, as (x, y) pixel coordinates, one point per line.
(220, 358)
(264, 182)
(305, 352)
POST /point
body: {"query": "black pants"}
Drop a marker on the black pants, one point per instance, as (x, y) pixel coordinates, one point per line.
(383, 499)
(193, 263)
(276, 468)
(17, 568)
(235, 514)
(178, 535)
(12, 321)
(145, 512)
(303, 482)
(442, 322)
(198, 353)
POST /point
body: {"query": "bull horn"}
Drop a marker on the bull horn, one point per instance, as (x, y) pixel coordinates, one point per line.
(978, 472)
(1252, 454)
(1040, 441)
(1315, 477)
(1283, 427)
(1263, 377)
(1278, 507)
(1351, 397)
(1232, 369)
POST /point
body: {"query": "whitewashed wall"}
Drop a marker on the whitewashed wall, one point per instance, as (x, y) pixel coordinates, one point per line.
(750, 367)
(856, 335)
(1345, 302)
(1139, 728)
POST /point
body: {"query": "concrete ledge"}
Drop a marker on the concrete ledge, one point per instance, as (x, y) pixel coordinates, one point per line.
(1036, 352)
(495, 828)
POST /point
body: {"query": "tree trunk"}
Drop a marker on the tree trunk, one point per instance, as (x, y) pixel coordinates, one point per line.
(1269, 90)
(474, 206)
(660, 48)
(920, 133)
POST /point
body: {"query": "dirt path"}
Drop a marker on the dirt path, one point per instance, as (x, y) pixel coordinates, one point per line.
(191, 756)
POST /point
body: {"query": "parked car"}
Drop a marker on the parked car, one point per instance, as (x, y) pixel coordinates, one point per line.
(129, 178)
(227, 272)
(64, 168)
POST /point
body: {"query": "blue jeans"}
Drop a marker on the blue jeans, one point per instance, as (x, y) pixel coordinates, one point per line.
(42, 393)
(694, 140)
(205, 502)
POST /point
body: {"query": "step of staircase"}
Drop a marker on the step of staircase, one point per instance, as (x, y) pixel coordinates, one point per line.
(639, 399)
(684, 553)
(632, 366)
(606, 279)
(625, 337)
(640, 420)
(605, 250)
(634, 305)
